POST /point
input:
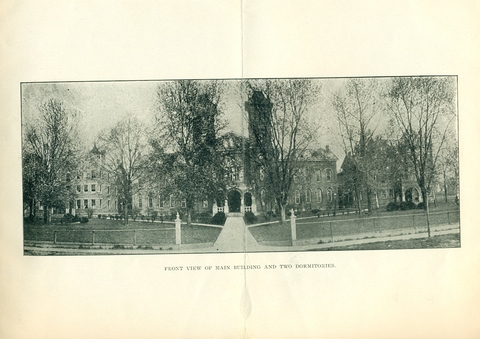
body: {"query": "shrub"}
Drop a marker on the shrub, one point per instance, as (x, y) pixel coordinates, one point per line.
(89, 213)
(99, 216)
(84, 220)
(391, 206)
(68, 218)
(76, 218)
(421, 206)
(315, 211)
(411, 205)
(250, 218)
(218, 219)
(203, 217)
(135, 212)
(154, 215)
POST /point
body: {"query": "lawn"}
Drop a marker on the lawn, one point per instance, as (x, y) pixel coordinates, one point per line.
(438, 241)
(342, 226)
(115, 232)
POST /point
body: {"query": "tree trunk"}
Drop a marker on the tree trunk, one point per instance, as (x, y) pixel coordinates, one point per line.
(30, 216)
(369, 200)
(46, 215)
(125, 208)
(445, 187)
(426, 207)
(189, 216)
(283, 214)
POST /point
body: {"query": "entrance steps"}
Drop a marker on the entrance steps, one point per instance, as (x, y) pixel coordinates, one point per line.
(235, 237)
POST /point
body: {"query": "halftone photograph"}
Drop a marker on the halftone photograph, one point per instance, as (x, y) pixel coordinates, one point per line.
(240, 165)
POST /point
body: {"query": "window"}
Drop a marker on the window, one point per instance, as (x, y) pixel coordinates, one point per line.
(79, 188)
(318, 175)
(319, 195)
(150, 202)
(85, 203)
(94, 175)
(100, 203)
(115, 204)
(93, 188)
(328, 172)
(297, 197)
(308, 196)
(172, 202)
(79, 175)
(140, 202)
(384, 194)
(391, 193)
(108, 189)
(85, 188)
(79, 204)
(330, 195)
(93, 203)
(184, 203)
(108, 203)
(161, 201)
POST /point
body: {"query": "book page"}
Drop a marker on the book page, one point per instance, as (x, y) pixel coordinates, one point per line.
(394, 293)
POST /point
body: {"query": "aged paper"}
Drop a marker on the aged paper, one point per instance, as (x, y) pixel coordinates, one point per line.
(405, 293)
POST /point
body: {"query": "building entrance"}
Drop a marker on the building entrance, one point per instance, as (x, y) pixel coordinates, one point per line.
(234, 201)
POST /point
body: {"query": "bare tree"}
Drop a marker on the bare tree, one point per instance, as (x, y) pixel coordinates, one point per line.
(423, 109)
(448, 165)
(186, 140)
(49, 156)
(279, 131)
(355, 111)
(124, 148)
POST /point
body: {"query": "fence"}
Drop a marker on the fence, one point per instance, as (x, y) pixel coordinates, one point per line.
(177, 235)
(134, 237)
(373, 226)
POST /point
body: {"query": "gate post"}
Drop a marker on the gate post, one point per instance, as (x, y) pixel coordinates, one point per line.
(293, 224)
(178, 230)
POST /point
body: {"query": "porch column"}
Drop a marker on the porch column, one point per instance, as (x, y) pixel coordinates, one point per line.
(254, 204)
(215, 207)
(225, 209)
(242, 207)
(403, 195)
(420, 196)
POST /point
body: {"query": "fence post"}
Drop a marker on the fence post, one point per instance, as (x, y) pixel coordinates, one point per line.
(55, 237)
(448, 217)
(293, 224)
(178, 230)
(413, 223)
(135, 237)
(93, 237)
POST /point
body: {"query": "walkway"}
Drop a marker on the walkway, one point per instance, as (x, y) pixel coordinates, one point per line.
(235, 237)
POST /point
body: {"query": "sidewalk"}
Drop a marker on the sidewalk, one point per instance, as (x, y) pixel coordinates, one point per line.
(234, 237)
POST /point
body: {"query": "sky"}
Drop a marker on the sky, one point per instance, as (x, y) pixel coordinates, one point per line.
(102, 104)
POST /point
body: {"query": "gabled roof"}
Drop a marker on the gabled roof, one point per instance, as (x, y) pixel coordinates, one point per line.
(320, 154)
